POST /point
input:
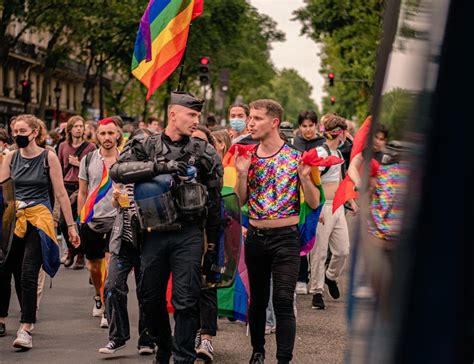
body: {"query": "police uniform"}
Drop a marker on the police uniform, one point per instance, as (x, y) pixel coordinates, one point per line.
(178, 247)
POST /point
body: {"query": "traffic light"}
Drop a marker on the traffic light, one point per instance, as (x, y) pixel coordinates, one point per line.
(203, 67)
(333, 100)
(331, 79)
(25, 91)
(224, 76)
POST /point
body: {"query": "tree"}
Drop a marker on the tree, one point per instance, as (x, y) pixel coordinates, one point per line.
(348, 31)
(397, 106)
(291, 90)
(233, 35)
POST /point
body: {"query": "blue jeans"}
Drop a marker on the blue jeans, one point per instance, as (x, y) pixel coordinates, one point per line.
(116, 291)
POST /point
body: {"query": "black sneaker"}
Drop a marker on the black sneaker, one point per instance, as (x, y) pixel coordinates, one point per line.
(318, 302)
(332, 286)
(112, 347)
(257, 358)
(3, 329)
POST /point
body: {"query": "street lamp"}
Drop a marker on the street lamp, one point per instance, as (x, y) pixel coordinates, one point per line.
(57, 93)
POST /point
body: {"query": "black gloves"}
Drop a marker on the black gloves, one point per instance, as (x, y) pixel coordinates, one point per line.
(179, 167)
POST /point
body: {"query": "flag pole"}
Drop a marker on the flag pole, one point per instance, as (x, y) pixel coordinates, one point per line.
(183, 61)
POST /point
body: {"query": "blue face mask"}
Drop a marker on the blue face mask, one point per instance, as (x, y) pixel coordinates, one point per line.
(238, 124)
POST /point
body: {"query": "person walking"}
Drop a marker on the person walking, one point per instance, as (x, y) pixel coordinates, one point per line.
(332, 229)
(33, 170)
(174, 162)
(269, 181)
(70, 154)
(124, 247)
(95, 209)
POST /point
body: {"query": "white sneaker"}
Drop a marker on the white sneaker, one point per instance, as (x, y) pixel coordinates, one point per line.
(205, 351)
(23, 340)
(301, 288)
(98, 309)
(146, 350)
(104, 323)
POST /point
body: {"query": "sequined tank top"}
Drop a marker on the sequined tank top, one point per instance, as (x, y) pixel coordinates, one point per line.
(273, 186)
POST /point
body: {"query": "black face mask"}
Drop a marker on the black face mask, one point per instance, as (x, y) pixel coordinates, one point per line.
(22, 140)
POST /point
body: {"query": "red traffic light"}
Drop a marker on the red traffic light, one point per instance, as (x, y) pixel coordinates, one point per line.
(204, 60)
(24, 83)
(331, 75)
(333, 100)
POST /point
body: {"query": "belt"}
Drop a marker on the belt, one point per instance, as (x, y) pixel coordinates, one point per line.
(274, 231)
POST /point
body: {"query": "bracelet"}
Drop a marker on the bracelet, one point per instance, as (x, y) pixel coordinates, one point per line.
(73, 224)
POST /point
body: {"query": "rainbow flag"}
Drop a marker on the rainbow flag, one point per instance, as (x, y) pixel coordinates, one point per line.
(345, 190)
(161, 39)
(87, 211)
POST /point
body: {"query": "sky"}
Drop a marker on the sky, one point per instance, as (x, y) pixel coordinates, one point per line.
(298, 52)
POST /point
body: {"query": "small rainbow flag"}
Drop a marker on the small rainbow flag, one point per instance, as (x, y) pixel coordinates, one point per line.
(161, 39)
(98, 194)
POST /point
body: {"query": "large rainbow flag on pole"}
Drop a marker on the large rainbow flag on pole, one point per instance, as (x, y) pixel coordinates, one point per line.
(87, 211)
(161, 39)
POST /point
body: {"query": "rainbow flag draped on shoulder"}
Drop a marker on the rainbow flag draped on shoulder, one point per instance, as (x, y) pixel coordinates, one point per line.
(161, 39)
(87, 211)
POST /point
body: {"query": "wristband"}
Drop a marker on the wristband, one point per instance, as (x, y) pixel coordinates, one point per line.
(73, 224)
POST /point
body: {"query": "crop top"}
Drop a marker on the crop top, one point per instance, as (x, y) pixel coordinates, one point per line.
(334, 172)
(273, 185)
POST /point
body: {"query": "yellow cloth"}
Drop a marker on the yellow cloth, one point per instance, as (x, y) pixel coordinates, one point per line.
(39, 216)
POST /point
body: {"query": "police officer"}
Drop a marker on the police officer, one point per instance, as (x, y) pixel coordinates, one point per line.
(173, 243)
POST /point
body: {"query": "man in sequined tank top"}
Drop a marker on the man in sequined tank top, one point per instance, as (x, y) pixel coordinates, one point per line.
(269, 178)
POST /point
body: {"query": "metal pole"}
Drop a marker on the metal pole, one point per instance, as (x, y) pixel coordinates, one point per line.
(57, 111)
(101, 90)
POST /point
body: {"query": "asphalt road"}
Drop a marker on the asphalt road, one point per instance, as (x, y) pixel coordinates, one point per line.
(66, 332)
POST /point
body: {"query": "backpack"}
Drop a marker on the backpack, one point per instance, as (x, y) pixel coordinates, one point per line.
(343, 166)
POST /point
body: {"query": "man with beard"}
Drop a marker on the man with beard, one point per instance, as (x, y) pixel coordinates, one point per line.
(95, 233)
(70, 154)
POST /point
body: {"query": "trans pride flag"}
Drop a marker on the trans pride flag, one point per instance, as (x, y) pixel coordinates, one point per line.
(87, 211)
(161, 39)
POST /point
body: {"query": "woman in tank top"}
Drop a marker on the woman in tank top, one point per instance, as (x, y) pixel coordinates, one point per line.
(33, 170)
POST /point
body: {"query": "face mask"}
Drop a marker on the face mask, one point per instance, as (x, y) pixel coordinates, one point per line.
(237, 124)
(49, 142)
(22, 140)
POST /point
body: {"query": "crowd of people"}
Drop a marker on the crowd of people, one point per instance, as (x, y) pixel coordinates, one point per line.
(147, 198)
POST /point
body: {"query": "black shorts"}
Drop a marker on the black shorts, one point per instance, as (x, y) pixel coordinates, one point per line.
(95, 244)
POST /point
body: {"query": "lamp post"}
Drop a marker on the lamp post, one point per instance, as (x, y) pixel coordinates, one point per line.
(57, 93)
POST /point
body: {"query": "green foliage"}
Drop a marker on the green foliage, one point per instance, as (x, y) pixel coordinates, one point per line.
(291, 90)
(397, 106)
(348, 31)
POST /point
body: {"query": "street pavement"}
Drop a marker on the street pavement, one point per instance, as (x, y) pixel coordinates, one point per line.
(66, 332)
